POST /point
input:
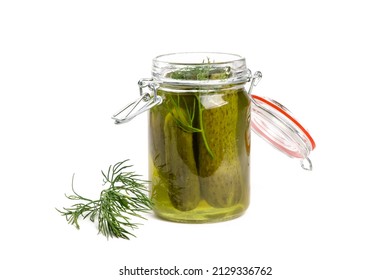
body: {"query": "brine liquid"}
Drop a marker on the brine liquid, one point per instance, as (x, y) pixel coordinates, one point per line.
(199, 150)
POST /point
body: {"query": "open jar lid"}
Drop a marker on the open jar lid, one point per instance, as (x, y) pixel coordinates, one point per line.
(275, 124)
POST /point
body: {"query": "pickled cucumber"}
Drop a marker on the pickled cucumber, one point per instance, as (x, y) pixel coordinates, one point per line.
(156, 133)
(183, 186)
(220, 172)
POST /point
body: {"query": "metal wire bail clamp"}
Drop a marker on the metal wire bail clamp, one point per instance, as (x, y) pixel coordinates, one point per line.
(148, 99)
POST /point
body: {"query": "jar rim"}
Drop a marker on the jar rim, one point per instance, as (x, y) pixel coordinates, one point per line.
(232, 64)
(198, 58)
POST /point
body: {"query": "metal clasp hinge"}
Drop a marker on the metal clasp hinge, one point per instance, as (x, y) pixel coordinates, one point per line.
(147, 100)
(255, 80)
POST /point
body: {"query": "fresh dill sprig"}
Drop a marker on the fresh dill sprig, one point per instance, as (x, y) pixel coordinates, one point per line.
(206, 71)
(124, 199)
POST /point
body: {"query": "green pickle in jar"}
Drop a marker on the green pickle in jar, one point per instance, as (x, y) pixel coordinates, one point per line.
(199, 145)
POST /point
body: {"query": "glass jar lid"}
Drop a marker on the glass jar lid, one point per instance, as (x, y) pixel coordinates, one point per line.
(275, 124)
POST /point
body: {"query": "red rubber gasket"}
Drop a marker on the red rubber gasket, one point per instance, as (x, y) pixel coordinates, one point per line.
(313, 144)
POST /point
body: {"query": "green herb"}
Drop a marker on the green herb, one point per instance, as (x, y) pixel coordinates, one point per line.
(203, 72)
(124, 199)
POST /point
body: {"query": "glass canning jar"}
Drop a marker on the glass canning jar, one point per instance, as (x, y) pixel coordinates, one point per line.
(199, 137)
(199, 134)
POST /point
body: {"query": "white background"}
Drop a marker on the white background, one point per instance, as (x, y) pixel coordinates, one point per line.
(67, 66)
